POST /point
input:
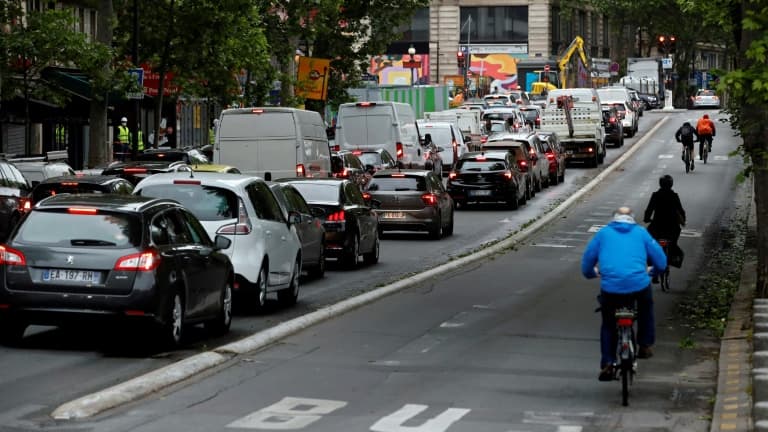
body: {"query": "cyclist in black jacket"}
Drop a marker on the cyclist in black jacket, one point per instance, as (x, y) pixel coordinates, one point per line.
(665, 213)
(687, 135)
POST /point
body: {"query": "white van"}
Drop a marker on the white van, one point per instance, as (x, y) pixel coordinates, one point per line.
(380, 125)
(273, 142)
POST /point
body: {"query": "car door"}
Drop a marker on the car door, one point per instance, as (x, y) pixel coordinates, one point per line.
(281, 241)
(444, 198)
(367, 221)
(309, 228)
(163, 233)
(216, 265)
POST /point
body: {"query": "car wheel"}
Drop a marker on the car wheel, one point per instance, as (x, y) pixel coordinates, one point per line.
(436, 231)
(351, 255)
(462, 204)
(318, 270)
(553, 178)
(220, 325)
(12, 331)
(261, 289)
(537, 184)
(513, 202)
(172, 331)
(372, 257)
(289, 296)
(561, 177)
(448, 230)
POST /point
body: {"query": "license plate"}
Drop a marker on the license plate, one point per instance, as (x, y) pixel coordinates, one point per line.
(56, 275)
(569, 152)
(393, 215)
(479, 193)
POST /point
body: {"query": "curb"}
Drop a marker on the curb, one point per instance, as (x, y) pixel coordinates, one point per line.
(733, 410)
(157, 380)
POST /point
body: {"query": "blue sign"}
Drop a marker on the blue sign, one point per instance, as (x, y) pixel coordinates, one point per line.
(138, 75)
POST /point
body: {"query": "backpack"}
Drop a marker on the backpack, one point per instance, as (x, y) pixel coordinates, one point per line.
(686, 131)
(704, 128)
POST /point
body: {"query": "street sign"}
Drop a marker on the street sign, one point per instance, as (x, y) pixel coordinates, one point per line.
(666, 63)
(546, 68)
(412, 64)
(138, 75)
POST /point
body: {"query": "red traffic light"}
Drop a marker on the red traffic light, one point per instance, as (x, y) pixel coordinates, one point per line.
(662, 39)
(460, 54)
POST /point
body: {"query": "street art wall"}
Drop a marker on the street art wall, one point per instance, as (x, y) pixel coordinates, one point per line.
(390, 70)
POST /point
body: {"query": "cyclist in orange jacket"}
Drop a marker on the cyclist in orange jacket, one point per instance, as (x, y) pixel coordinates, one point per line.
(705, 129)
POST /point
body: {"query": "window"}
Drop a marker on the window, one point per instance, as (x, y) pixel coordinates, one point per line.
(176, 228)
(196, 230)
(104, 229)
(388, 184)
(264, 202)
(205, 202)
(353, 194)
(418, 28)
(326, 193)
(296, 200)
(494, 24)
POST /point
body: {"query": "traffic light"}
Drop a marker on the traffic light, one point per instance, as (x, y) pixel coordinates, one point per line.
(661, 43)
(460, 60)
(672, 42)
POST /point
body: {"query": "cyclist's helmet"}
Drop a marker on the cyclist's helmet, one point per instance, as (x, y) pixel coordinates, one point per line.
(666, 181)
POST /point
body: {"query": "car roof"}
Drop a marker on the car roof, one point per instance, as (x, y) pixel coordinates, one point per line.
(87, 178)
(495, 153)
(218, 179)
(328, 180)
(411, 172)
(517, 136)
(144, 164)
(115, 202)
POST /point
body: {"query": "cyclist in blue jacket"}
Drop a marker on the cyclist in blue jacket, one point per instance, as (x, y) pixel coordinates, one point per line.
(622, 250)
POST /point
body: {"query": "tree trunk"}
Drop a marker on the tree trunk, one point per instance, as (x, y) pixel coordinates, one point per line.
(162, 69)
(99, 147)
(761, 213)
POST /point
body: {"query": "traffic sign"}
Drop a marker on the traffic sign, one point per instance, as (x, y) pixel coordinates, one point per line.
(546, 68)
(138, 75)
(412, 64)
(666, 63)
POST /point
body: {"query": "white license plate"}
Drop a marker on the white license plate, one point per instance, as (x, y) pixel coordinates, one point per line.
(393, 215)
(55, 275)
(479, 193)
(569, 152)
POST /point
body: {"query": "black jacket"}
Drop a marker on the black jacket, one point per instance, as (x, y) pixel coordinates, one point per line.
(687, 139)
(666, 215)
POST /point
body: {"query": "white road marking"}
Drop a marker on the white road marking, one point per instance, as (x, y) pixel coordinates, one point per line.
(666, 156)
(569, 428)
(449, 324)
(290, 413)
(720, 158)
(394, 422)
(690, 233)
(595, 228)
(564, 421)
(549, 245)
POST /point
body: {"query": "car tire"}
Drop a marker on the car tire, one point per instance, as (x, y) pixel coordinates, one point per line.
(172, 329)
(351, 256)
(448, 230)
(512, 201)
(553, 179)
(221, 324)
(318, 270)
(12, 331)
(436, 231)
(261, 288)
(289, 296)
(561, 177)
(372, 257)
(537, 185)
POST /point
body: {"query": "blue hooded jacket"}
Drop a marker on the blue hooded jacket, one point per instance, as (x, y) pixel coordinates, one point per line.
(622, 250)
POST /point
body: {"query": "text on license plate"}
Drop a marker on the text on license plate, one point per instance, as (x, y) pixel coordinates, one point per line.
(71, 275)
(393, 215)
(479, 192)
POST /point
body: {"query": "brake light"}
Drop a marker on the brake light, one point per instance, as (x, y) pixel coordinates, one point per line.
(336, 217)
(357, 152)
(480, 158)
(366, 196)
(399, 150)
(336, 147)
(187, 182)
(135, 170)
(612, 120)
(452, 175)
(429, 199)
(82, 211)
(590, 150)
(300, 172)
(663, 243)
(257, 111)
(508, 175)
(537, 122)
(142, 261)
(344, 173)
(10, 256)
(523, 165)
(365, 104)
(624, 322)
(398, 175)
(550, 156)
(243, 225)
(484, 139)
(25, 204)
(69, 183)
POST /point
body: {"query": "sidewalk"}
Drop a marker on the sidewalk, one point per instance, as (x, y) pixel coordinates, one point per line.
(733, 410)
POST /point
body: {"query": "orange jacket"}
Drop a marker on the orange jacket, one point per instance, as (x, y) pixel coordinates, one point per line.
(701, 127)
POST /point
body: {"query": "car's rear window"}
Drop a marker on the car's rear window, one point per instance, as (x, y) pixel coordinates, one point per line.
(481, 165)
(207, 203)
(370, 158)
(45, 190)
(407, 183)
(68, 227)
(318, 192)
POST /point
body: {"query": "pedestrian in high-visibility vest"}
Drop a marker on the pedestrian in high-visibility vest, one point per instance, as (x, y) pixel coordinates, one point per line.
(123, 142)
(61, 134)
(140, 146)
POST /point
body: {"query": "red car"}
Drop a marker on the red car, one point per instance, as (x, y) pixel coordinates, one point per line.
(555, 156)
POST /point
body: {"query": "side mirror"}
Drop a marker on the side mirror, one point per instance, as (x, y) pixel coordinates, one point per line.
(467, 139)
(294, 218)
(221, 242)
(318, 211)
(370, 168)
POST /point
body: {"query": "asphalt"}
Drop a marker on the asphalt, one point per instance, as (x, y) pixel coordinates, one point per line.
(733, 405)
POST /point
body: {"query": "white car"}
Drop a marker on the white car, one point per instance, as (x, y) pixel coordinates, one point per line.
(538, 164)
(629, 119)
(265, 249)
(706, 99)
(448, 136)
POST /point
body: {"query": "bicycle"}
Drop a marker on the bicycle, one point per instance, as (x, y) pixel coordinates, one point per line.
(626, 352)
(687, 158)
(706, 147)
(664, 277)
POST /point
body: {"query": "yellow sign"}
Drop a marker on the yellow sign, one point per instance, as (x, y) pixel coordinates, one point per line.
(312, 78)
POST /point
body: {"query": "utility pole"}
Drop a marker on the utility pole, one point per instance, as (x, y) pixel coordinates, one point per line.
(468, 56)
(136, 102)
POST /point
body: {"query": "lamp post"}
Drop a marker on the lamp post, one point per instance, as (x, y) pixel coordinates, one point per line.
(411, 52)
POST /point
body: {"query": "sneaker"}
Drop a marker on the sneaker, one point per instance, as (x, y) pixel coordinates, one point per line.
(607, 374)
(645, 352)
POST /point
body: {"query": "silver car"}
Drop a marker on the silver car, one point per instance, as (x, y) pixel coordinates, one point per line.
(706, 99)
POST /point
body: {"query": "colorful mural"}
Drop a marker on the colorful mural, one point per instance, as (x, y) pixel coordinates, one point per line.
(493, 71)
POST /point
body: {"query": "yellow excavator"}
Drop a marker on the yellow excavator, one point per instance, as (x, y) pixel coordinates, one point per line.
(569, 74)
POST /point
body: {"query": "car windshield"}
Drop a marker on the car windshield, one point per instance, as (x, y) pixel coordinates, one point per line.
(208, 203)
(45, 190)
(318, 192)
(387, 184)
(706, 93)
(440, 136)
(481, 165)
(67, 227)
(370, 158)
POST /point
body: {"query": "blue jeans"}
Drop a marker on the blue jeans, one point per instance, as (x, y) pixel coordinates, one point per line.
(646, 329)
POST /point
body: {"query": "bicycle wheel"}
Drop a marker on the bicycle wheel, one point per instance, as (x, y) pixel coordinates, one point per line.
(687, 160)
(626, 371)
(704, 152)
(664, 280)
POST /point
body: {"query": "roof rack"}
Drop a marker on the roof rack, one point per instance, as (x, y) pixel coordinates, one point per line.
(56, 155)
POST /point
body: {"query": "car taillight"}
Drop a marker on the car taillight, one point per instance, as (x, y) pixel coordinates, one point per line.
(344, 173)
(10, 256)
(612, 120)
(300, 170)
(550, 156)
(523, 165)
(452, 175)
(537, 122)
(399, 150)
(336, 147)
(243, 225)
(624, 322)
(663, 243)
(25, 204)
(366, 196)
(336, 217)
(590, 150)
(429, 199)
(187, 182)
(82, 211)
(507, 174)
(142, 261)
(135, 170)
(484, 139)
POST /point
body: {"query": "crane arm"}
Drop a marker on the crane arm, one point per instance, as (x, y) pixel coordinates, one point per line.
(577, 45)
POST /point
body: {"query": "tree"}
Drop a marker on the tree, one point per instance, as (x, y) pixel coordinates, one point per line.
(32, 42)
(101, 72)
